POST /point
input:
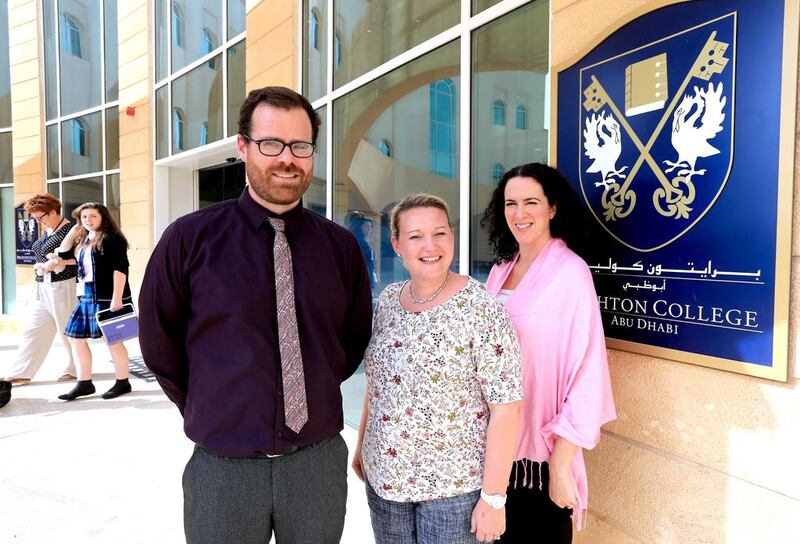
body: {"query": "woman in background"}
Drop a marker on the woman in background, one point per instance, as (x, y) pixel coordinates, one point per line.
(103, 277)
(533, 218)
(53, 298)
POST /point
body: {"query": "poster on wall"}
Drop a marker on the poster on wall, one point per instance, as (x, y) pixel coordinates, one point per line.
(677, 130)
(26, 233)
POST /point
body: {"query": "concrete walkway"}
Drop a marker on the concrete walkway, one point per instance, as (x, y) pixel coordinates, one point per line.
(109, 471)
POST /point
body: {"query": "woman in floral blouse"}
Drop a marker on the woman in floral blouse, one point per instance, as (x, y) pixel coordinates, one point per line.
(439, 425)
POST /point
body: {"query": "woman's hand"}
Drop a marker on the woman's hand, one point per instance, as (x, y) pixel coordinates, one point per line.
(562, 487)
(38, 269)
(357, 465)
(487, 523)
(116, 305)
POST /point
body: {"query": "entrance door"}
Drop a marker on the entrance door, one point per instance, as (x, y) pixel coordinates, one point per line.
(221, 182)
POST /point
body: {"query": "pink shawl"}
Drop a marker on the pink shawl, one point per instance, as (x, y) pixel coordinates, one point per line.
(564, 367)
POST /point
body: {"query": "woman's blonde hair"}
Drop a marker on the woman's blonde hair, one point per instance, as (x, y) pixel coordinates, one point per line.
(421, 200)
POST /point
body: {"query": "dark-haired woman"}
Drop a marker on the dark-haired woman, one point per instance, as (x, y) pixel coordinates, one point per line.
(103, 277)
(549, 295)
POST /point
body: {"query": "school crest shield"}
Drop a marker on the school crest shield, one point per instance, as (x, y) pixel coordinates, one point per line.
(656, 133)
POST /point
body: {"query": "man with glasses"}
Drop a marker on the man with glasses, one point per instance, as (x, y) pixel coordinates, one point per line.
(252, 313)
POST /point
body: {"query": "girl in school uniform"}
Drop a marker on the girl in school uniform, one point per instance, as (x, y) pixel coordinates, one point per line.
(102, 257)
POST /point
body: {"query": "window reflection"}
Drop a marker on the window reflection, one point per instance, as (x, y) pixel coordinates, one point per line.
(70, 36)
(509, 66)
(370, 33)
(80, 56)
(177, 26)
(78, 136)
(315, 48)
(196, 27)
(197, 99)
(315, 198)
(404, 109)
(82, 145)
(177, 129)
(5, 74)
(77, 191)
(236, 84)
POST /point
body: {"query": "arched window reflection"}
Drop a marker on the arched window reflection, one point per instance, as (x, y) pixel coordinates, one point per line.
(442, 127)
(522, 117)
(385, 147)
(177, 128)
(177, 25)
(78, 137)
(497, 172)
(206, 42)
(337, 50)
(499, 113)
(70, 36)
(204, 133)
(313, 30)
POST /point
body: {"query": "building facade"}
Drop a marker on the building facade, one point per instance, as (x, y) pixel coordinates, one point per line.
(135, 104)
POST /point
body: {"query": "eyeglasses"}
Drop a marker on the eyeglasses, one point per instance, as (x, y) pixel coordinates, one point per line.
(38, 218)
(272, 147)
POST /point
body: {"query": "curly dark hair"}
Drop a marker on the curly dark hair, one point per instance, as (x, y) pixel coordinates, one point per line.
(568, 224)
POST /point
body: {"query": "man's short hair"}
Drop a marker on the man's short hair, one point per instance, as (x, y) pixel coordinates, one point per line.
(278, 97)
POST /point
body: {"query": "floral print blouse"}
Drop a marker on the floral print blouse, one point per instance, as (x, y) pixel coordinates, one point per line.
(430, 378)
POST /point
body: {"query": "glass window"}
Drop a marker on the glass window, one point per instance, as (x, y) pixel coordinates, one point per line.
(80, 55)
(385, 147)
(443, 127)
(220, 183)
(189, 41)
(112, 197)
(162, 123)
(112, 57)
(313, 30)
(50, 62)
(197, 98)
(81, 145)
(497, 172)
(204, 133)
(374, 32)
(78, 133)
(337, 50)
(236, 17)
(78, 191)
(112, 138)
(178, 120)
(315, 48)
(177, 26)
(162, 38)
(499, 113)
(236, 84)
(480, 5)
(8, 242)
(396, 107)
(315, 197)
(206, 42)
(70, 36)
(54, 189)
(509, 65)
(52, 151)
(522, 117)
(5, 75)
(6, 158)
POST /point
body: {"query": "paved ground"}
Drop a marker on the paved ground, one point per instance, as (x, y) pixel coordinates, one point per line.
(107, 471)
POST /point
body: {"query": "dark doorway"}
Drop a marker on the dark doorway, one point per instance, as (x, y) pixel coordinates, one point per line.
(218, 183)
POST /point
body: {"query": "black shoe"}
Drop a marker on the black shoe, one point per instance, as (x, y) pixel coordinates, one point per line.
(5, 392)
(119, 388)
(83, 388)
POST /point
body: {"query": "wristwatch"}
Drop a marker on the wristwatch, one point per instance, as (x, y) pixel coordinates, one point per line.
(495, 501)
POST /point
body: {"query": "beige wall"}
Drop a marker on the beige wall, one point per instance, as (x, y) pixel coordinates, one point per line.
(697, 455)
(272, 43)
(135, 132)
(27, 119)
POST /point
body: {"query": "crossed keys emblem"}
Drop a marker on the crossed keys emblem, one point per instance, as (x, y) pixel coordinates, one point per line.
(674, 197)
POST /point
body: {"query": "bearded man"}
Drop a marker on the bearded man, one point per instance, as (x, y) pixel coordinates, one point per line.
(252, 313)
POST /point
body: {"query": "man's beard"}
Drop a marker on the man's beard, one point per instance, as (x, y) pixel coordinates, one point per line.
(263, 185)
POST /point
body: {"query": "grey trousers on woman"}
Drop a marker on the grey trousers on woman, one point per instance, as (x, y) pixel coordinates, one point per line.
(301, 496)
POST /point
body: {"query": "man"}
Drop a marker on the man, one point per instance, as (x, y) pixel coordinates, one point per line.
(252, 313)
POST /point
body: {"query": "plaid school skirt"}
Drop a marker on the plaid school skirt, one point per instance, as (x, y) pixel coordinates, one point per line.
(82, 323)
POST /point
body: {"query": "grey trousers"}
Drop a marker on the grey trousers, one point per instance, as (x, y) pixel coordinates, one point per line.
(301, 496)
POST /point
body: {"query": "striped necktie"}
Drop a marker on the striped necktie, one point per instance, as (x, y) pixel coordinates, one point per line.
(295, 408)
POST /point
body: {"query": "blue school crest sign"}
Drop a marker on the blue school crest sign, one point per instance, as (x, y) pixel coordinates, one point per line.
(657, 132)
(677, 129)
